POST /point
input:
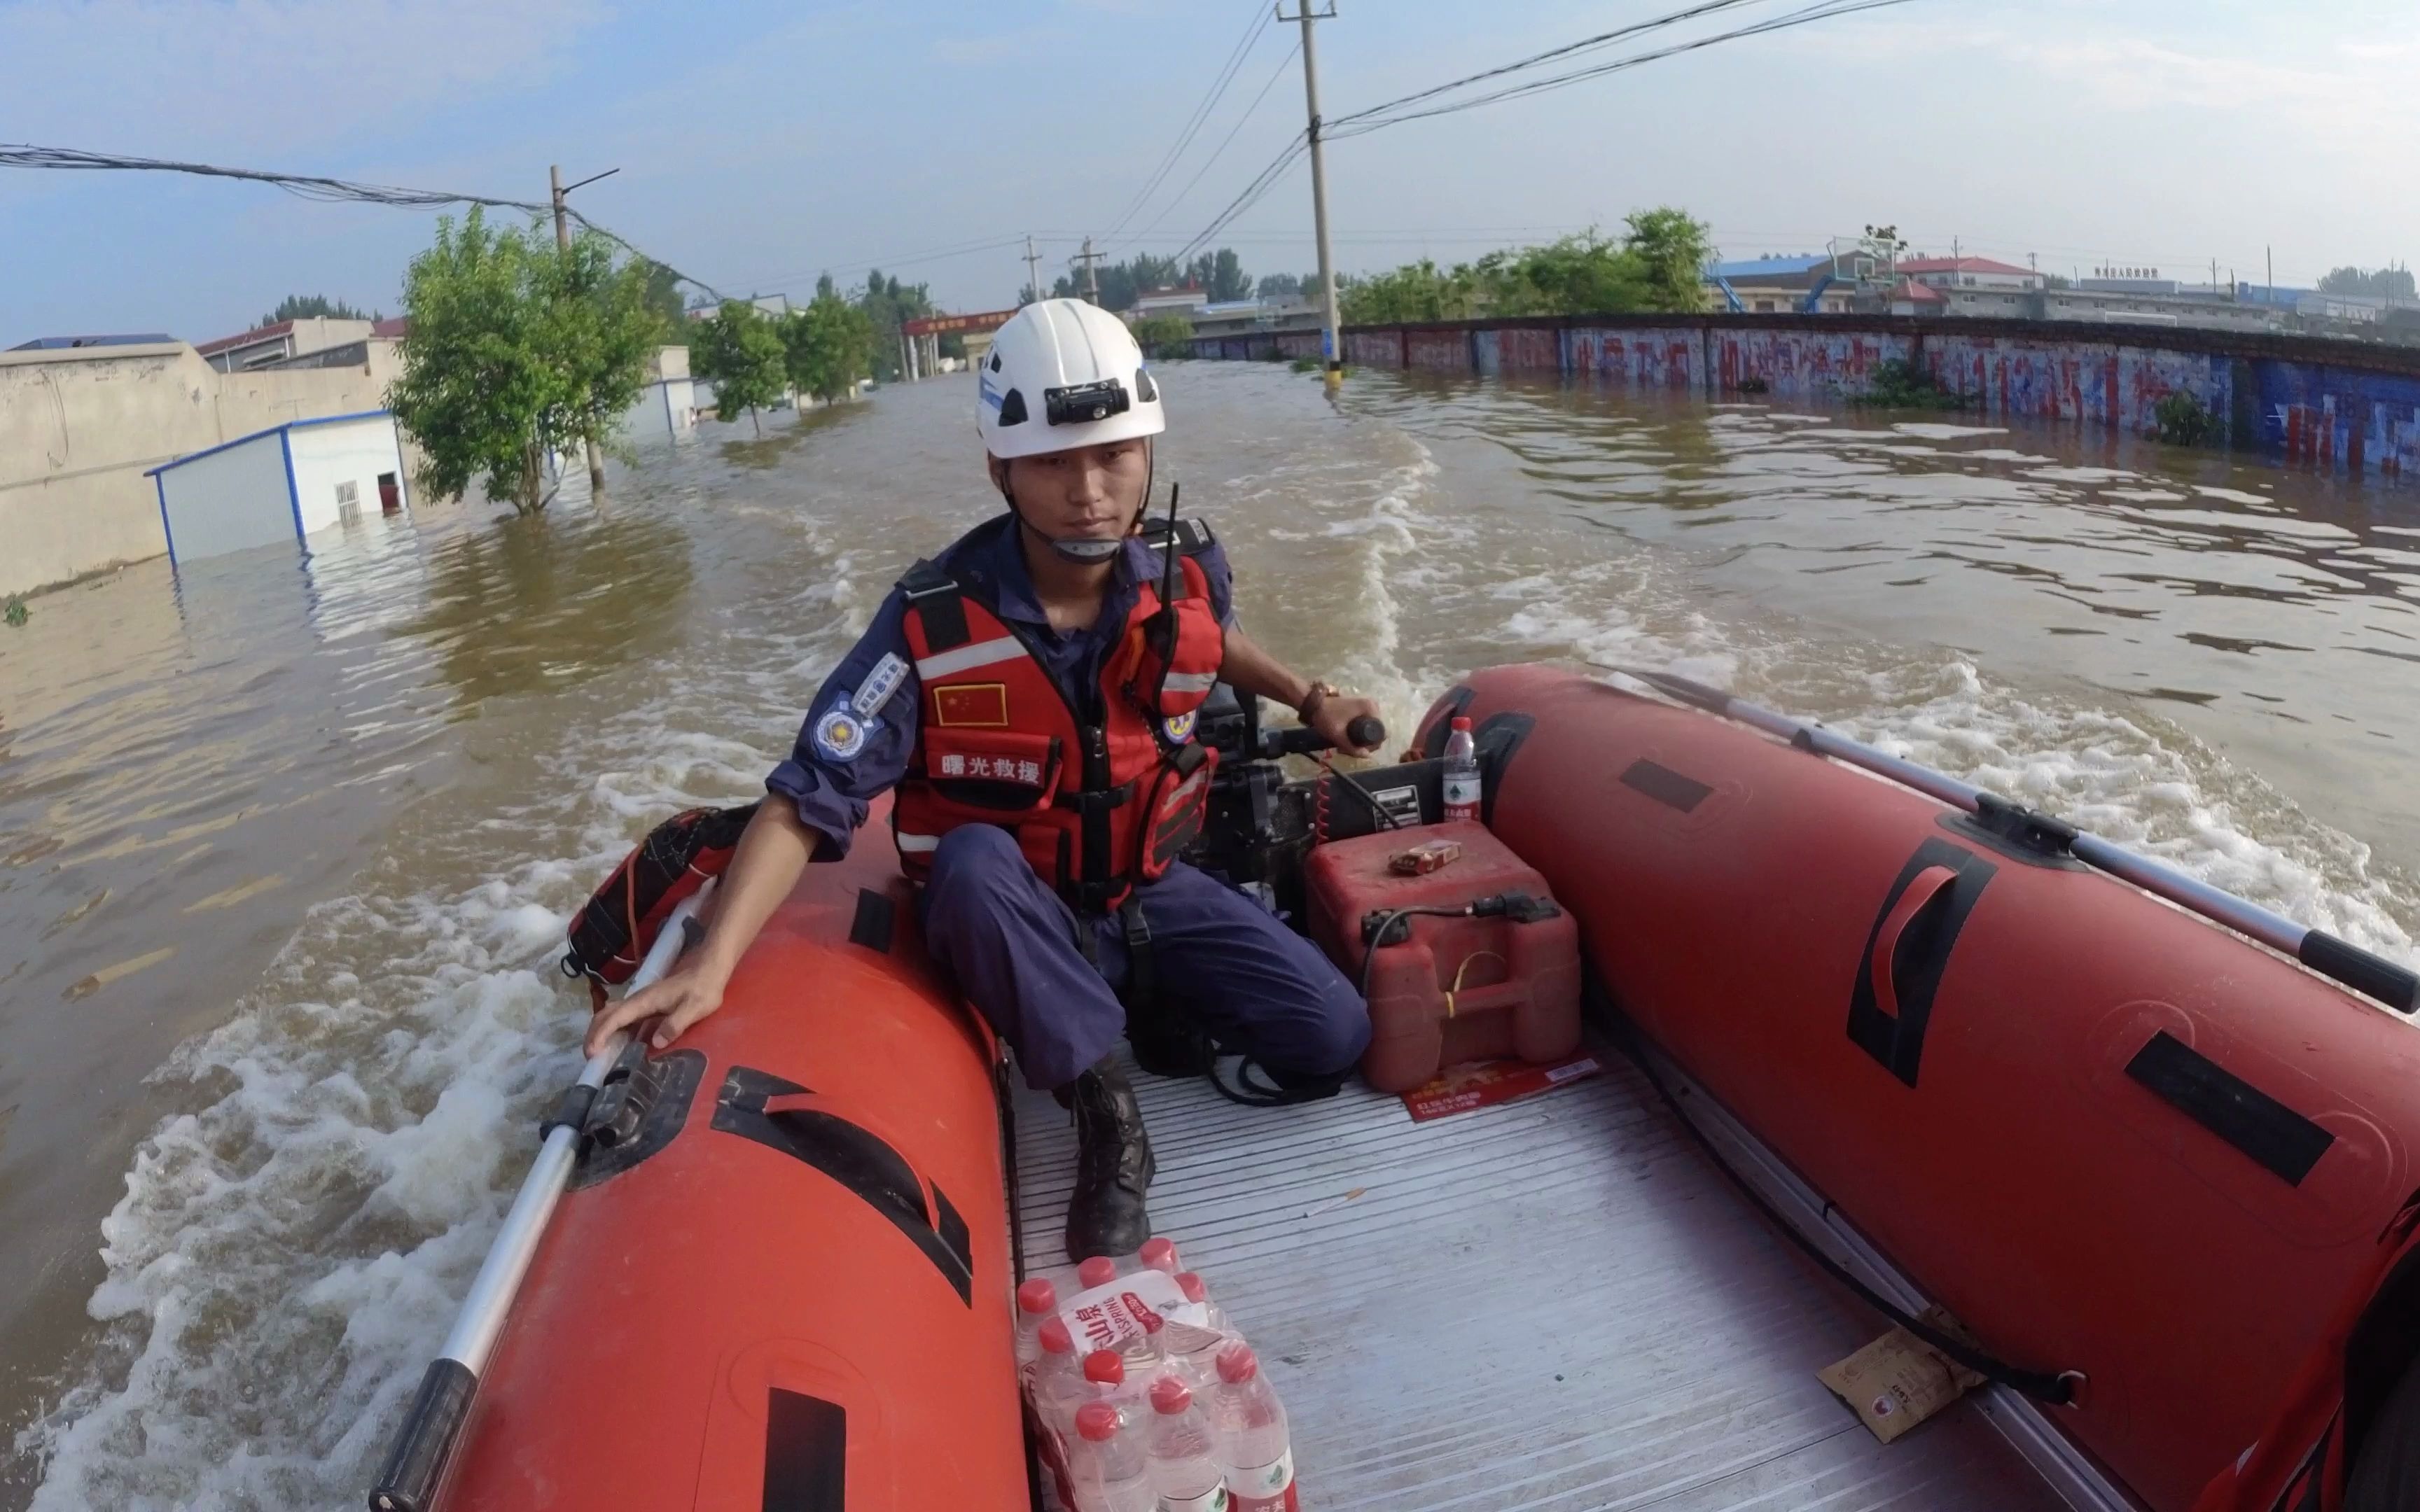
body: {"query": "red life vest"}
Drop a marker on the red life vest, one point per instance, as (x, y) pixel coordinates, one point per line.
(1099, 798)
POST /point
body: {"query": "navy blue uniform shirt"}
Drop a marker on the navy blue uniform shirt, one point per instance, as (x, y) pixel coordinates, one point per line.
(832, 789)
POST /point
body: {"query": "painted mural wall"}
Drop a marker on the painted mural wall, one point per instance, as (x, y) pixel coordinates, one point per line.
(2363, 420)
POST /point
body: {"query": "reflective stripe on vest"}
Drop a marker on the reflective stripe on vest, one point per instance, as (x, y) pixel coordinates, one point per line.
(965, 659)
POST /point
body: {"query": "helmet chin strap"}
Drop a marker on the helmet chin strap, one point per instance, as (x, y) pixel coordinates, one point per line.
(1083, 551)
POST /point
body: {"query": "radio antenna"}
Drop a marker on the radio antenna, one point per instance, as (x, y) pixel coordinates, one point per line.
(1168, 568)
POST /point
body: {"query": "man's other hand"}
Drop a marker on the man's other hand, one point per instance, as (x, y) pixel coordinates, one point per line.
(681, 998)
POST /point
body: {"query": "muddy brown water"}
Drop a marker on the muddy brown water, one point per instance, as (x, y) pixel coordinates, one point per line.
(286, 842)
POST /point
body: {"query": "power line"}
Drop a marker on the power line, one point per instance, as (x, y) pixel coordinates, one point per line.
(1823, 11)
(1274, 75)
(306, 186)
(1584, 44)
(1199, 118)
(1267, 179)
(1372, 120)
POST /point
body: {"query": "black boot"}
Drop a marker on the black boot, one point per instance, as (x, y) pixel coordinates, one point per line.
(1113, 1165)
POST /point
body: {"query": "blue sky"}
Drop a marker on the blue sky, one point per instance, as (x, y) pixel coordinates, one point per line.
(760, 143)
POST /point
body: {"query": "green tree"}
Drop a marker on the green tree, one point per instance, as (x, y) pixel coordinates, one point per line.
(1282, 287)
(1221, 275)
(305, 307)
(1122, 283)
(887, 303)
(663, 297)
(740, 350)
(2385, 284)
(827, 345)
(517, 351)
(1416, 292)
(1165, 335)
(1658, 264)
(1671, 247)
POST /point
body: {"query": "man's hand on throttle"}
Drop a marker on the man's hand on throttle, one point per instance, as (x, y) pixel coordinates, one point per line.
(1332, 715)
(680, 999)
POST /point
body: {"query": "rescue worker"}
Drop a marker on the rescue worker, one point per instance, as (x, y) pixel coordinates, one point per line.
(1030, 696)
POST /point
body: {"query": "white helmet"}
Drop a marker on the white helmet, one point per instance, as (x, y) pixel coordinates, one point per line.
(1063, 373)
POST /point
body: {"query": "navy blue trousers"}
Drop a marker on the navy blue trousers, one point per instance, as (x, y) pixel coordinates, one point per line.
(1010, 941)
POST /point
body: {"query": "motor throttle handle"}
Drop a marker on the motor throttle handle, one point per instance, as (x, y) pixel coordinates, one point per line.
(1367, 729)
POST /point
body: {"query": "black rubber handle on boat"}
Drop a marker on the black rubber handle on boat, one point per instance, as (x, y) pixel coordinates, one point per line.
(416, 1466)
(2364, 973)
(1366, 729)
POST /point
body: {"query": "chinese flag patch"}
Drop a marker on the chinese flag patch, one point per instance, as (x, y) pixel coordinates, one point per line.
(982, 705)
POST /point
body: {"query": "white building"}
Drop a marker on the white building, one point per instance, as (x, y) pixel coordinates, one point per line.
(666, 408)
(1188, 301)
(1945, 274)
(282, 484)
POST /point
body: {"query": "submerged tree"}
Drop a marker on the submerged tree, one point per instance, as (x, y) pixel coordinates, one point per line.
(739, 349)
(827, 345)
(517, 351)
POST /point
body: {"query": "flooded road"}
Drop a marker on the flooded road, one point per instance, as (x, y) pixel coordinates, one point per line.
(286, 847)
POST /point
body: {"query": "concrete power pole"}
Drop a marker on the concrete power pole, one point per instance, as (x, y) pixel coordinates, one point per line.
(1032, 268)
(1092, 276)
(562, 242)
(1331, 349)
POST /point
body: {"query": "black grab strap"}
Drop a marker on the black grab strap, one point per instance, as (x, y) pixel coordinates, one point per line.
(939, 600)
(2055, 1388)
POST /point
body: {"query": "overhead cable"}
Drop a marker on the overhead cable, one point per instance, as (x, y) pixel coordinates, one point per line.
(1212, 161)
(1391, 114)
(1226, 76)
(1584, 44)
(1823, 11)
(307, 186)
(1265, 180)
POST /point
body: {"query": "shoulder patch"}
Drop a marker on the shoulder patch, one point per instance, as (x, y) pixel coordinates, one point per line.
(879, 685)
(840, 734)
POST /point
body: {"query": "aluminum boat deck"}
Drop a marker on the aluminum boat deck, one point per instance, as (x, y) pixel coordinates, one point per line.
(1557, 1303)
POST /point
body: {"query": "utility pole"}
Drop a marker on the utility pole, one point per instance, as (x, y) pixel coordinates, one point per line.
(1331, 349)
(563, 243)
(1032, 268)
(1092, 277)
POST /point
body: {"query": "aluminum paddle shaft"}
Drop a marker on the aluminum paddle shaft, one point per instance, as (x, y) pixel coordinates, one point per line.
(416, 1465)
(2370, 975)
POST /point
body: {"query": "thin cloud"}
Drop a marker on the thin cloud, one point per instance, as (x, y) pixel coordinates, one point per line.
(176, 77)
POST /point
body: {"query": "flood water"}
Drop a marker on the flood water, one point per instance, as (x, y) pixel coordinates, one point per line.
(285, 846)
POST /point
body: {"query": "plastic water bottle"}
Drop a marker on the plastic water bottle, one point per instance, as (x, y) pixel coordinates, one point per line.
(1185, 1471)
(1059, 1383)
(1097, 1271)
(1159, 1254)
(1249, 1423)
(1198, 1291)
(1109, 1463)
(1037, 1302)
(1462, 791)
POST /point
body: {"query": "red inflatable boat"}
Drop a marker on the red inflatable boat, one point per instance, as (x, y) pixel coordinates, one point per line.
(2147, 1162)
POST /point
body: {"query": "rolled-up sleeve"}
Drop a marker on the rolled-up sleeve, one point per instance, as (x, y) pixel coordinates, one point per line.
(831, 782)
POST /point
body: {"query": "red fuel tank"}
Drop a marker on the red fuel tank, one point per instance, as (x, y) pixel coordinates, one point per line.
(1453, 989)
(2108, 1135)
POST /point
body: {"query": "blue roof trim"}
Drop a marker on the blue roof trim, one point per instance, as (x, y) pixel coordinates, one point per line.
(274, 430)
(1768, 265)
